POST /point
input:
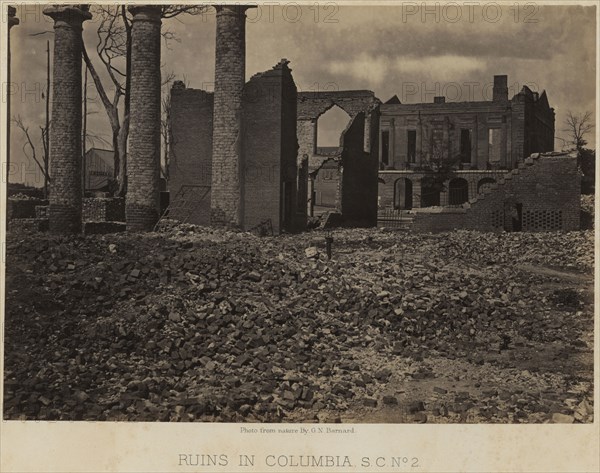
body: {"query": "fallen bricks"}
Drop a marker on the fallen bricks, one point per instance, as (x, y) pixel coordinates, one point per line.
(198, 324)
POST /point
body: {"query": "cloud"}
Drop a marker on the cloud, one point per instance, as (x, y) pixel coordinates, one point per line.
(365, 48)
(452, 64)
(372, 70)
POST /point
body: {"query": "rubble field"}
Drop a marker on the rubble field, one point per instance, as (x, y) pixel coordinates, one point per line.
(192, 324)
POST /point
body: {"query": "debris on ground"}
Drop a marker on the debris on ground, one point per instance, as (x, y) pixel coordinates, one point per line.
(195, 324)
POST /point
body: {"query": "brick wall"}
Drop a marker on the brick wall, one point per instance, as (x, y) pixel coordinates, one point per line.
(441, 220)
(27, 225)
(230, 70)
(517, 128)
(143, 160)
(108, 209)
(438, 126)
(545, 190)
(292, 198)
(389, 186)
(270, 150)
(102, 228)
(191, 153)
(313, 104)
(65, 128)
(346, 180)
(307, 138)
(327, 182)
(539, 124)
(524, 125)
(547, 187)
(359, 177)
(302, 193)
(23, 208)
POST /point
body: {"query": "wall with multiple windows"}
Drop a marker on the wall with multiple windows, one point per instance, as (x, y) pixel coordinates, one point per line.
(408, 190)
(496, 134)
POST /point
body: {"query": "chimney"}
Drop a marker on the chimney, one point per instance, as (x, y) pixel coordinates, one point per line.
(500, 93)
(440, 99)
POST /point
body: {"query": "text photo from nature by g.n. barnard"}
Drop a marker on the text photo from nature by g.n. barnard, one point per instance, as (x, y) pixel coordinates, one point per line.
(321, 213)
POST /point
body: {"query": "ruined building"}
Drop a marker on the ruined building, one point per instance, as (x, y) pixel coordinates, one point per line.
(479, 140)
(247, 156)
(541, 194)
(483, 165)
(265, 192)
(344, 178)
(233, 152)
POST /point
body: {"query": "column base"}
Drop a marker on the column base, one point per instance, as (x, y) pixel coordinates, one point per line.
(64, 219)
(140, 218)
(220, 219)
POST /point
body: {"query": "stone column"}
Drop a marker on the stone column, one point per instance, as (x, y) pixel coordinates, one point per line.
(65, 129)
(12, 21)
(230, 76)
(143, 157)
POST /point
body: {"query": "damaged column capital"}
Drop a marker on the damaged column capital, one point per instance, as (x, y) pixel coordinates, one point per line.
(143, 160)
(65, 129)
(230, 76)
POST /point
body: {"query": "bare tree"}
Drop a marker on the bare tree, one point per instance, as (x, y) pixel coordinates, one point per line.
(165, 130)
(578, 125)
(113, 48)
(29, 143)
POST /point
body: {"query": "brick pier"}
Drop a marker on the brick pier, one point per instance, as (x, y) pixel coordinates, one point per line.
(143, 160)
(65, 129)
(230, 71)
(12, 21)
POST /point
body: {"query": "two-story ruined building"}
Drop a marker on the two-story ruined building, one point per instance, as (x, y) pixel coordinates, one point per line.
(472, 143)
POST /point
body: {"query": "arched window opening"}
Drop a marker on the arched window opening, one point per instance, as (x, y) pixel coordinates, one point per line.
(403, 194)
(330, 127)
(485, 183)
(458, 191)
(430, 192)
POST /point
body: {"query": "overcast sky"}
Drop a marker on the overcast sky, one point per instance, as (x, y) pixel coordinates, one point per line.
(402, 50)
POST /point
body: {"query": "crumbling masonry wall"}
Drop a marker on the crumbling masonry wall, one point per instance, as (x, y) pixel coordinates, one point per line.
(267, 151)
(355, 165)
(359, 177)
(546, 186)
(103, 209)
(190, 165)
(270, 149)
(521, 125)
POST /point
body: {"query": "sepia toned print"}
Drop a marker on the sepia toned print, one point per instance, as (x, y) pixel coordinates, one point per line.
(299, 214)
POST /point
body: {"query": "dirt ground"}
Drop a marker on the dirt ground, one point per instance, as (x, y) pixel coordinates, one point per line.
(205, 325)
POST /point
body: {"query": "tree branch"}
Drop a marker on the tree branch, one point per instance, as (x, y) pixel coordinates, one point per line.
(18, 121)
